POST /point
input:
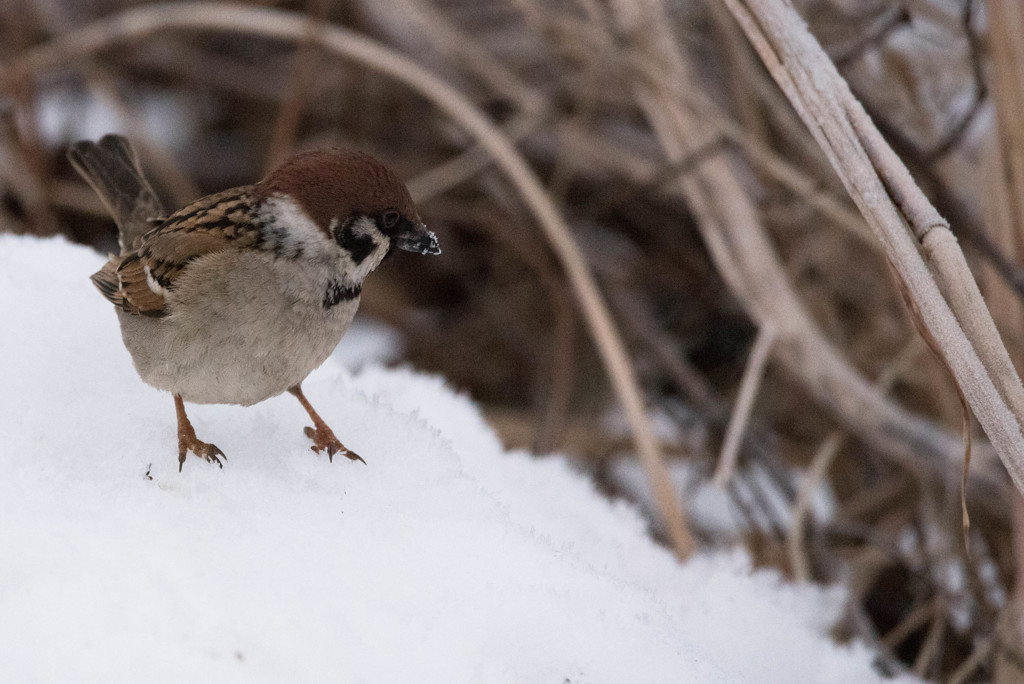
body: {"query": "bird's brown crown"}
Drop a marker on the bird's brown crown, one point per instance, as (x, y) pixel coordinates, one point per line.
(338, 183)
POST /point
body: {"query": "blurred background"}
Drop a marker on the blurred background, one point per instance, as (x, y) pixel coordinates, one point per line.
(705, 211)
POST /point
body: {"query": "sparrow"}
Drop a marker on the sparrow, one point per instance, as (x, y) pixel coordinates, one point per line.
(240, 295)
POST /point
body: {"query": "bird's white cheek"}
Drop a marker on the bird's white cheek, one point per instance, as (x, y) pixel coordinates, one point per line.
(291, 232)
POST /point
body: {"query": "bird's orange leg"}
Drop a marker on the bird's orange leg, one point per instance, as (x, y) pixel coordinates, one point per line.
(322, 436)
(187, 440)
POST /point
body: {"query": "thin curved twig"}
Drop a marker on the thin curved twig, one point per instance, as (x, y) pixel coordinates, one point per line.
(822, 461)
(749, 385)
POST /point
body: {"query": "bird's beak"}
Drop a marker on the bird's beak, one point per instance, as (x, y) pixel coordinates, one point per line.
(414, 237)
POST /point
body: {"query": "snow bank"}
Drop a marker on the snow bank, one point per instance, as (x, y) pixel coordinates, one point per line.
(444, 559)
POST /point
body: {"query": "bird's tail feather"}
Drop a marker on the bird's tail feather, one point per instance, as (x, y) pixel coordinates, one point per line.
(112, 168)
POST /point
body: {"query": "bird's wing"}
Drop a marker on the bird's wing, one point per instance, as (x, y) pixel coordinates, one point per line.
(138, 280)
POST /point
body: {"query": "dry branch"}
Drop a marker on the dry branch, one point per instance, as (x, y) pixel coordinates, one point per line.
(901, 217)
(751, 267)
(748, 262)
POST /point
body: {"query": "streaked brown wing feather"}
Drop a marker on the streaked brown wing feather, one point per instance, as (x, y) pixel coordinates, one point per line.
(105, 281)
(136, 289)
(136, 281)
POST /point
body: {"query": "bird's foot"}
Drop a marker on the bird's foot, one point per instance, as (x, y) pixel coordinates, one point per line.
(322, 436)
(208, 452)
(187, 440)
(324, 440)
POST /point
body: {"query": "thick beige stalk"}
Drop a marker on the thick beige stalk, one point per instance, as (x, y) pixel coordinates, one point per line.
(1005, 216)
(901, 217)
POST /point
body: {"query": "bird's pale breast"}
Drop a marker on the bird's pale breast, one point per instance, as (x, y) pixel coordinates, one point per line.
(243, 326)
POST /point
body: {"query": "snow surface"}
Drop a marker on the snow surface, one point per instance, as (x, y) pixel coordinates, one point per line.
(445, 559)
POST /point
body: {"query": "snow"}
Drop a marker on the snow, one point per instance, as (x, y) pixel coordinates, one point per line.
(445, 559)
(366, 342)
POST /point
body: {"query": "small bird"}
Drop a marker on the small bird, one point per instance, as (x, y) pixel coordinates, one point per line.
(238, 296)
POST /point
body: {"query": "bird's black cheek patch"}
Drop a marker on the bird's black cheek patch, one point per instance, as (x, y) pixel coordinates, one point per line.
(359, 246)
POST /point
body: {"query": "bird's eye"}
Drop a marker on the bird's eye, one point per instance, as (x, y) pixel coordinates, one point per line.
(390, 218)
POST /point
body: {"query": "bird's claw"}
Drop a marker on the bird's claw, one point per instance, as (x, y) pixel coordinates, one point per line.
(324, 440)
(210, 453)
